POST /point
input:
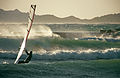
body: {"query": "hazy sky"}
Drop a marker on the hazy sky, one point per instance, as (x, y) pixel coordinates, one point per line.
(62, 8)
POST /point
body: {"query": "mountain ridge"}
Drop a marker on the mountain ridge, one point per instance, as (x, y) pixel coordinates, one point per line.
(18, 16)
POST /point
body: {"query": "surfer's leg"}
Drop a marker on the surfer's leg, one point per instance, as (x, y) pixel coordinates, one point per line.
(26, 61)
(21, 62)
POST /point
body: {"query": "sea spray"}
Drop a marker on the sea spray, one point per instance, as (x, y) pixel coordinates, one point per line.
(18, 31)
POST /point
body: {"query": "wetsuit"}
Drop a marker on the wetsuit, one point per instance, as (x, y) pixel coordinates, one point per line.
(28, 58)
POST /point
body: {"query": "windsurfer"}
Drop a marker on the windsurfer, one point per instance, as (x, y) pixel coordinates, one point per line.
(28, 58)
(23, 45)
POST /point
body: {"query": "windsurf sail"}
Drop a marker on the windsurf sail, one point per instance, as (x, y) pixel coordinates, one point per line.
(30, 19)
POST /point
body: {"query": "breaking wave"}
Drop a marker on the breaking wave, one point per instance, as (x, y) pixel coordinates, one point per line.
(62, 55)
(19, 30)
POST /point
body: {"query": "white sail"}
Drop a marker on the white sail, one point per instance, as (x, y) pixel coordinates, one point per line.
(30, 19)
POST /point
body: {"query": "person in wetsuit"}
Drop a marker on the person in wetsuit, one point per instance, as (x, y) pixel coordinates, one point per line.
(28, 58)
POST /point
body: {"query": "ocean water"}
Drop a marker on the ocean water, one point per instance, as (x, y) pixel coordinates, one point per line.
(63, 69)
(60, 51)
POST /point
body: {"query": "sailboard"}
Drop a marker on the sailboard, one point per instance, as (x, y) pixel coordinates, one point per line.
(30, 21)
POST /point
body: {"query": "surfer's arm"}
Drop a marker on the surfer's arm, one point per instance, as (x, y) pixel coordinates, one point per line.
(26, 52)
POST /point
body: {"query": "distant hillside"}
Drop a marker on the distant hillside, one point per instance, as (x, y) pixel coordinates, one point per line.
(107, 18)
(17, 16)
(13, 16)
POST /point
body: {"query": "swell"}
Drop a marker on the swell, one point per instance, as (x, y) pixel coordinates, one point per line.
(56, 43)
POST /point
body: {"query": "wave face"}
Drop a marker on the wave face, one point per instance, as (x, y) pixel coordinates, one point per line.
(57, 43)
(61, 49)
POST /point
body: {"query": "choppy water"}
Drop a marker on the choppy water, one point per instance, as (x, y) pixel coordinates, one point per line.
(60, 51)
(63, 69)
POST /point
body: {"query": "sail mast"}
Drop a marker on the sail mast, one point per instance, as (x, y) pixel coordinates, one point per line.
(31, 18)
